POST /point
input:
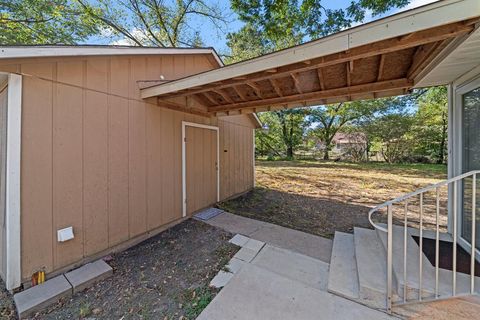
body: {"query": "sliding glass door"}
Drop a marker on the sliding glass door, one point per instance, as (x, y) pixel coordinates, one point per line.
(470, 155)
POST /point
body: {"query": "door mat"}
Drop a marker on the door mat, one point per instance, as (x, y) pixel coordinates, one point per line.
(208, 214)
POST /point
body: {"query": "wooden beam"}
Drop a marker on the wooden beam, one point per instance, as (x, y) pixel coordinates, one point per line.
(349, 82)
(321, 79)
(380, 67)
(224, 95)
(275, 86)
(178, 107)
(380, 47)
(210, 98)
(296, 82)
(351, 65)
(239, 93)
(318, 95)
(255, 88)
(423, 55)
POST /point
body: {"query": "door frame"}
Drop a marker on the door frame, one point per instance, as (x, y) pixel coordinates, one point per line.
(457, 150)
(186, 124)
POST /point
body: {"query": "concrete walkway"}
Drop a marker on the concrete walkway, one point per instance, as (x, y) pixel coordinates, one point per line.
(297, 241)
(281, 284)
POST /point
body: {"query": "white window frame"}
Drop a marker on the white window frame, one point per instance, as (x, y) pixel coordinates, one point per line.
(455, 165)
(186, 124)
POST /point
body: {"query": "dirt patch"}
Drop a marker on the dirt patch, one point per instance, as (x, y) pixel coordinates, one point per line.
(165, 277)
(324, 197)
(7, 308)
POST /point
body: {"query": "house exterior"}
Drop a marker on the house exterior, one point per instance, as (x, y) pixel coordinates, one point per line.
(344, 142)
(89, 167)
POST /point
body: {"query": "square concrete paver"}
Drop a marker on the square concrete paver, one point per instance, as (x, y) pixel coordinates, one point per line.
(88, 274)
(234, 265)
(254, 245)
(256, 294)
(245, 254)
(239, 240)
(36, 298)
(221, 279)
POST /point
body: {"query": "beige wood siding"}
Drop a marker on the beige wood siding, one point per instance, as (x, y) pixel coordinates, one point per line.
(98, 158)
(236, 155)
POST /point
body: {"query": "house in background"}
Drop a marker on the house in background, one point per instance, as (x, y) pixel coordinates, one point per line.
(89, 167)
(345, 143)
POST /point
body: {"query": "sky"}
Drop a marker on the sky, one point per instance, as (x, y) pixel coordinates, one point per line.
(216, 39)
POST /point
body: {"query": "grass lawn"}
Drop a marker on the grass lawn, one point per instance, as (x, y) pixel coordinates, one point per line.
(321, 197)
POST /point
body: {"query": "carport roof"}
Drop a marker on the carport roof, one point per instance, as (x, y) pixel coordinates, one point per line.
(382, 58)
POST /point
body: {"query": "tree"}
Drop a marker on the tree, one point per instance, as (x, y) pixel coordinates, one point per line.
(432, 124)
(277, 24)
(330, 119)
(155, 22)
(44, 22)
(285, 130)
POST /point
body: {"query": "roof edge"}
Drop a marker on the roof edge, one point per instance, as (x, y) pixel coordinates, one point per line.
(34, 51)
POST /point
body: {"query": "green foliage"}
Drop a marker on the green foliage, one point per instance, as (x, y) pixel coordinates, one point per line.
(284, 132)
(276, 24)
(431, 124)
(153, 22)
(196, 300)
(44, 22)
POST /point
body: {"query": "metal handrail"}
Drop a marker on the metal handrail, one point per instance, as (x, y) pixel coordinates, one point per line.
(389, 232)
(415, 193)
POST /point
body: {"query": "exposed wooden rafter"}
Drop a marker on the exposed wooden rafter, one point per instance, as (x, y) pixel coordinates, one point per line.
(240, 93)
(224, 95)
(325, 94)
(296, 82)
(377, 48)
(321, 80)
(209, 97)
(255, 88)
(275, 86)
(380, 67)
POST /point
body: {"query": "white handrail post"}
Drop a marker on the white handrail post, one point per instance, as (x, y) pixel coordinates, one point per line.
(389, 258)
(454, 262)
(472, 260)
(420, 259)
(437, 239)
(405, 235)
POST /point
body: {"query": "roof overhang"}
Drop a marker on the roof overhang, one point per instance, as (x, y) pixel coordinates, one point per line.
(382, 58)
(36, 51)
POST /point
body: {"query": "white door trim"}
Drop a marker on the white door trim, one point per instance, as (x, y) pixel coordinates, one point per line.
(12, 183)
(184, 161)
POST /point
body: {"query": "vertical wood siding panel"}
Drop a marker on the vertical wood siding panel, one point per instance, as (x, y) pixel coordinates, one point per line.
(154, 149)
(67, 160)
(118, 152)
(177, 169)
(167, 161)
(221, 132)
(95, 133)
(37, 237)
(137, 152)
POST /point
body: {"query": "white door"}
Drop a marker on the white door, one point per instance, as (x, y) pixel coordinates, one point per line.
(3, 149)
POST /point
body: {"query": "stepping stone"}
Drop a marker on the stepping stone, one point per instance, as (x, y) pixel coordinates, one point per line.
(245, 254)
(239, 240)
(221, 279)
(84, 277)
(234, 265)
(254, 245)
(39, 297)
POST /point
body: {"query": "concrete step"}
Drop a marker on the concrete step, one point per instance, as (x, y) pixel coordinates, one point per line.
(343, 277)
(428, 275)
(371, 265)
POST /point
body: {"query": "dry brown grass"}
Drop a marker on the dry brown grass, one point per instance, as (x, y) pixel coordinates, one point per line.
(322, 197)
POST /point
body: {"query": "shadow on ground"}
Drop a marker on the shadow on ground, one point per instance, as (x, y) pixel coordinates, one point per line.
(315, 215)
